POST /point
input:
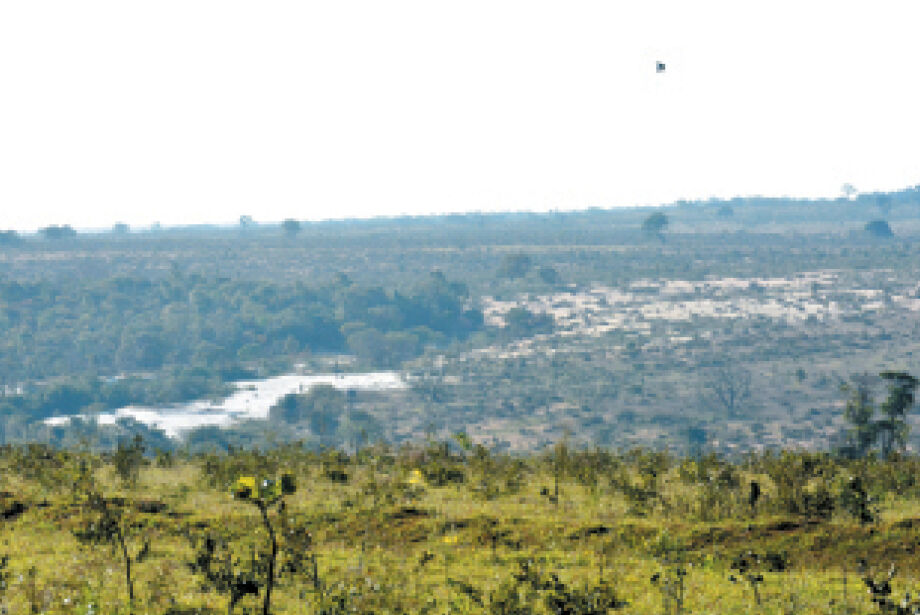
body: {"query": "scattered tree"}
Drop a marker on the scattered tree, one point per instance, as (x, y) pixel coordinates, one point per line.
(696, 440)
(290, 227)
(58, 232)
(891, 430)
(128, 459)
(655, 224)
(224, 572)
(321, 407)
(108, 521)
(892, 427)
(514, 266)
(521, 322)
(728, 387)
(878, 228)
(859, 411)
(549, 275)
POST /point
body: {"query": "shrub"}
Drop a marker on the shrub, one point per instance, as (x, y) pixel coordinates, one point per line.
(106, 521)
(264, 494)
(128, 460)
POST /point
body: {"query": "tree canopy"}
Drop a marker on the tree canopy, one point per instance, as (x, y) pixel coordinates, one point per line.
(655, 223)
(54, 231)
(879, 228)
(290, 226)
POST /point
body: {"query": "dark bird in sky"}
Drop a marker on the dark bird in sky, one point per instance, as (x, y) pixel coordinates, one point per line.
(659, 67)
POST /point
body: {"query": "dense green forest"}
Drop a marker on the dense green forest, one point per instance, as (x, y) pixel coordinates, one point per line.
(184, 337)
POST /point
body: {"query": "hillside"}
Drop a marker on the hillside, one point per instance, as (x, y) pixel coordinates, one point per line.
(513, 327)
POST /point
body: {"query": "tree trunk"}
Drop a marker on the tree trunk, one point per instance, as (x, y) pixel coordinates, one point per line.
(271, 561)
(124, 550)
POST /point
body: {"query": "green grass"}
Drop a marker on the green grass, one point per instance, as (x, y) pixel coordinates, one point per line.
(398, 556)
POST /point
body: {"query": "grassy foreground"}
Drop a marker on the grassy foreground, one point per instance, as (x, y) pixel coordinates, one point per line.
(451, 528)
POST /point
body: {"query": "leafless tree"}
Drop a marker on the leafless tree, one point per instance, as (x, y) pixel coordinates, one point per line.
(727, 387)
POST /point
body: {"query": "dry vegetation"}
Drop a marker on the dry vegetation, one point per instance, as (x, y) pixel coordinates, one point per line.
(453, 528)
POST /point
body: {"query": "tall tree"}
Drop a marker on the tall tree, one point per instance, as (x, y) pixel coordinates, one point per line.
(892, 427)
(859, 412)
(891, 430)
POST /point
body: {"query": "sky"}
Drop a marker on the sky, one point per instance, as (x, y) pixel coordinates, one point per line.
(200, 111)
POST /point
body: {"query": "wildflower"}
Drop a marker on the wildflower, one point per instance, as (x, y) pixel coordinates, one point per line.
(415, 477)
(245, 487)
(450, 540)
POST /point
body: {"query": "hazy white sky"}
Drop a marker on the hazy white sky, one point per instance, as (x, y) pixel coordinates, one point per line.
(199, 111)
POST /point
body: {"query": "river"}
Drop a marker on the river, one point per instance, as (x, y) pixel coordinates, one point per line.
(251, 400)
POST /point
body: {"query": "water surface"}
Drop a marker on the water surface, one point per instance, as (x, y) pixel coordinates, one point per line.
(251, 400)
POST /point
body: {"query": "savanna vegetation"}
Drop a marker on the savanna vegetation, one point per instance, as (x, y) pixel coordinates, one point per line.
(735, 324)
(72, 346)
(452, 527)
(705, 408)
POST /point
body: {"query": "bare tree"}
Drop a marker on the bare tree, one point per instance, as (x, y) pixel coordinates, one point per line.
(727, 387)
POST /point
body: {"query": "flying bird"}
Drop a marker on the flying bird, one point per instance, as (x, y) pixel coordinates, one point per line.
(659, 67)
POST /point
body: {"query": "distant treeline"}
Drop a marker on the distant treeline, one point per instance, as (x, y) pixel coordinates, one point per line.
(492, 227)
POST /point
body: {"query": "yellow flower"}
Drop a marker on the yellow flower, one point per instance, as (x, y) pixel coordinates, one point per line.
(416, 478)
(245, 487)
(450, 540)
